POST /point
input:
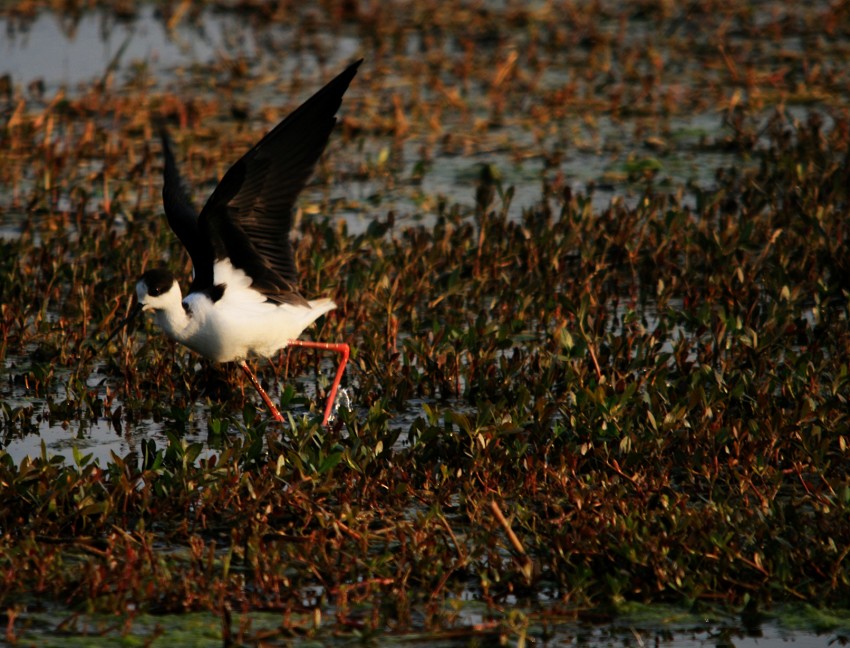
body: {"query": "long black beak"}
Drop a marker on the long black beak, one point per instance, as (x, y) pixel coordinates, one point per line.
(134, 313)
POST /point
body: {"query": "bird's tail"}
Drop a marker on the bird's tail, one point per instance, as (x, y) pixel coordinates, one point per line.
(322, 305)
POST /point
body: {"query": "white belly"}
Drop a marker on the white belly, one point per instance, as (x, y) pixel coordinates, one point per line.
(225, 331)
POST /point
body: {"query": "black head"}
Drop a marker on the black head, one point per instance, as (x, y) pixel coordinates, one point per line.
(158, 281)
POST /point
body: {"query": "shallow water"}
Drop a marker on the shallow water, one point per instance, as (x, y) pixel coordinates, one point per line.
(50, 54)
(59, 51)
(194, 629)
(98, 438)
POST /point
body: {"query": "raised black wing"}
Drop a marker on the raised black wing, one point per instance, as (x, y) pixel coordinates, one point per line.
(183, 218)
(249, 215)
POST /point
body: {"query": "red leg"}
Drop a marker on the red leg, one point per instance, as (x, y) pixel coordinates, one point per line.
(268, 401)
(343, 349)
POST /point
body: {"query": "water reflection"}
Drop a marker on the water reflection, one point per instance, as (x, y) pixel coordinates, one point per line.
(52, 50)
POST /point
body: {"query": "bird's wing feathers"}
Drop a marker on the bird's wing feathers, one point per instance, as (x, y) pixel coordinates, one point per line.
(249, 215)
(183, 218)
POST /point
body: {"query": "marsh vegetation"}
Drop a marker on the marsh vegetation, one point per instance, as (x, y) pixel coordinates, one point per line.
(593, 265)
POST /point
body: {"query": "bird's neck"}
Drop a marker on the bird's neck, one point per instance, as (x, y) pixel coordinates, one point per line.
(173, 318)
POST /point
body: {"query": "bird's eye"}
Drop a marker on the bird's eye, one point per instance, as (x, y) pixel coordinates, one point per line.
(186, 307)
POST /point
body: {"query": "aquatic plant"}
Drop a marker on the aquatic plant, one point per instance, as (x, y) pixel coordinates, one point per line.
(591, 406)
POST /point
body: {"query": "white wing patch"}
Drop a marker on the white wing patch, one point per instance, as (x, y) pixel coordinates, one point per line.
(236, 284)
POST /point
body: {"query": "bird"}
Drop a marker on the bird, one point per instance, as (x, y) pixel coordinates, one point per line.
(244, 298)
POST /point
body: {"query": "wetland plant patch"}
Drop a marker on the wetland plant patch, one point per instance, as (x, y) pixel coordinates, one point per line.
(561, 407)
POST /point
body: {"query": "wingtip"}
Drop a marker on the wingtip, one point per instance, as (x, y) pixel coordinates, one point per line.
(346, 75)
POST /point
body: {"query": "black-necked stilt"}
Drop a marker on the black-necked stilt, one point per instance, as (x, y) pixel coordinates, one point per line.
(244, 298)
